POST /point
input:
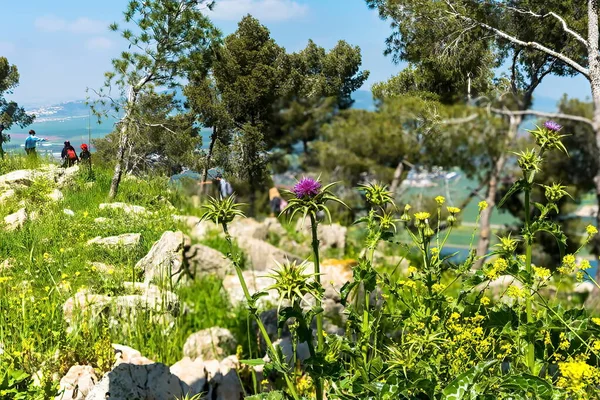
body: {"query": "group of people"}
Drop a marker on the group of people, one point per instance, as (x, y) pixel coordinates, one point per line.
(68, 154)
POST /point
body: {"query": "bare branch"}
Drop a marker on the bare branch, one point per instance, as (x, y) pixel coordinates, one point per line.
(544, 114)
(532, 45)
(566, 28)
(457, 121)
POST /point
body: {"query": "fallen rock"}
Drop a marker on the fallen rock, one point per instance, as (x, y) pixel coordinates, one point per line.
(77, 383)
(7, 264)
(165, 258)
(128, 355)
(262, 255)
(19, 177)
(7, 195)
(101, 220)
(84, 303)
(331, 236)
(16, 220)
(143, 382)
(248, 228)
(127, 208)
(208, 344)
(127, 240)
(202, 260)
(56, 196)
(68, 212)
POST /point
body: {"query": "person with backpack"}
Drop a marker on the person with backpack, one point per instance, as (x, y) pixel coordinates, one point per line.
(85, 157)
(224, 187)
(31, 143)
(275, 201)
(68, 155)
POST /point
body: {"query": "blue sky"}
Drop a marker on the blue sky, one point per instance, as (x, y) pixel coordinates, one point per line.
(63, 46)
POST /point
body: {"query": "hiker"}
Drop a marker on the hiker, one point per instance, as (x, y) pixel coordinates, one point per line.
(275, 201)
(68, 155)
(224, 187)
(31, 143)
(85, 157)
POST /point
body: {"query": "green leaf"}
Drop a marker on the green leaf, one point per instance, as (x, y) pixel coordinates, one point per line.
(461, 386)
(516, 187)
(254, 362)
(529, 385)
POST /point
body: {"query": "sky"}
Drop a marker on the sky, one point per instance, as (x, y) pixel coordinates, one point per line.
(61, 47)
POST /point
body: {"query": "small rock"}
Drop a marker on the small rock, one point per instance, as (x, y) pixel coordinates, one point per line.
(331, 236)
(20, 177)
(189, 221)
(127, 240)
(68, 212)
(101, 220)
(202, 260)
(56, 196)
(84, 302)
(164, 261)
(7, 195)
(7, 264)
(128, 355)
(149, 382)
(262, 255)
(256, 283)
(127, 208)
(248, 228)
(584, 287)
(16, 220)
(211, 343)
(77, 383)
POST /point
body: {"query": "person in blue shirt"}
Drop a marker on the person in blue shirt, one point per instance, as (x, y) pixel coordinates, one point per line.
(31, 143)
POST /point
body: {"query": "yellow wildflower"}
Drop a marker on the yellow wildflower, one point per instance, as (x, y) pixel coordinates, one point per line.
(515, 292)
(541, 273)
(434, 318)
(453, 210)
(62, 250)
(411, 270)
(483, 205)
(564, 342)
(596, 321)
(485, 301)
(438, 288)
(85, 213)
(494, 271)
(568, 264)
(110, 271)
(576, 376)
(584, 264)
(591, 230)
(422, 216)
(440, 200)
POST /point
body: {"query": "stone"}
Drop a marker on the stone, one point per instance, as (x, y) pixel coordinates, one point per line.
(101, 220)
(7, 264)
(56, 196)
(256, 283)
(202, 229)
(68, 212)
(584, 287)
(262, 255)
(287, 349)
(331, 236)
(127, 240)
(16, 220)
(7, 195)
(19, 177)
(215, 380)
(127, 208)
(274, 226)
(211, 343)
(202, 260)
(143, 382)
(85, 303)
(66, 176)
(188, 221)
(164, 261)
(129, 355)
(77, 383)
(248, 228)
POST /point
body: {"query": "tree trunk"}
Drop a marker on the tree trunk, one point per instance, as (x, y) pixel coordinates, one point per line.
(118, 173)
(397, 176)
(486, 215)
(594, 78)
(211, 147)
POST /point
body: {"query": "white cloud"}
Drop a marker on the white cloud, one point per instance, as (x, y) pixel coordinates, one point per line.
(98, 43)
(82, 25)
(264, 10)
(6, 48)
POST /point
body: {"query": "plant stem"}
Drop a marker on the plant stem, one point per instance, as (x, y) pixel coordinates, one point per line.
(530, 346)
(260, 324)
(320, 337)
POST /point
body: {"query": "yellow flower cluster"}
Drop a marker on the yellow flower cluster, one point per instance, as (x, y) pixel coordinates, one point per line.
(541, 273)
(591, 230)
(440, 200)
(438, 288)
(516, 292)
(411, 270)
(576, 377)
(422, 216)
(409, 284)
(483, 205)
(569, 264)
(485, 301)
(494, 270)
(453, 210)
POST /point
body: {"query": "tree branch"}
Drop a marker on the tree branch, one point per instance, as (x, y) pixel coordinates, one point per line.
(536, 113)
(532, 45)
(566, 28)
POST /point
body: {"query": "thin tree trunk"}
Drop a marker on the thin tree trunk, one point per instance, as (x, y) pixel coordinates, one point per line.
(594, 77)
(118, 172)
(211, 147)
(396, 178)
(485, 220)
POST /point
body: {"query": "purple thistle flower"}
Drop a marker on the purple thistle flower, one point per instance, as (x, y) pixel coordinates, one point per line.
(307, 187)
(552, 126)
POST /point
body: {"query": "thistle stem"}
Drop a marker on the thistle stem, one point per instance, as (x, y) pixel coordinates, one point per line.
(260, 324)
(320, 337)
(530, 346)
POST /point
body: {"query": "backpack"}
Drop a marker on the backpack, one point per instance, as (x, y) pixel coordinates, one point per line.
(71, 155)
(227, 189)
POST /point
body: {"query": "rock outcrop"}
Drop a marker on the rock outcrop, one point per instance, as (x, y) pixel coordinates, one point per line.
(210, 344)
(126, 240)
(126, 208)
(77, 383)
(16, 220)
(164, 261)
